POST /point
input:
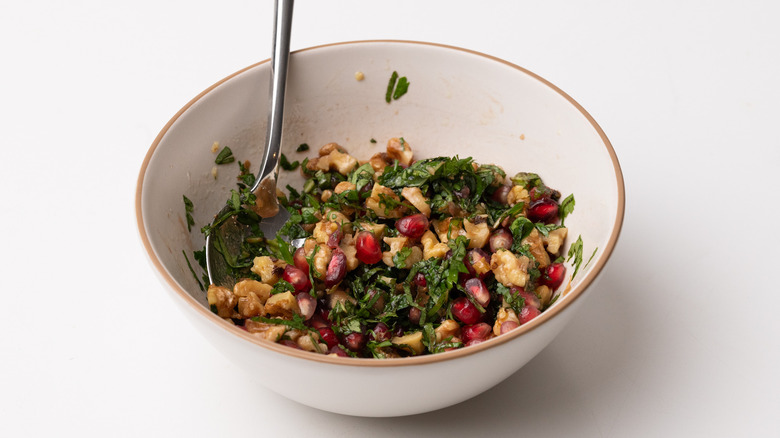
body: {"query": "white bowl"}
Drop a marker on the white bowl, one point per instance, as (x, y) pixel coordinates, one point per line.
(459, 103)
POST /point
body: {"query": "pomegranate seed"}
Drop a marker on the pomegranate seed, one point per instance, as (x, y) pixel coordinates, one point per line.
(337, 268)
(465, 311)
(413, 226)
(335, 238)
(420, 280)
(414, 315)
(329, 336)
(501, 239)
(381, 332)
(307, 304)
(474, 332)
(528, 313)
(369, 251)
(474, 342)
(529, 298)
(508, 326)
(477, 289)
(552, 276)
(355, 341)
(544, 210)
(479, 262)
(500, 194)
(398, 332)
(299, 259)
(338, 351)
(289, 343)
(317, 322)
(298, 278)
(543, 192)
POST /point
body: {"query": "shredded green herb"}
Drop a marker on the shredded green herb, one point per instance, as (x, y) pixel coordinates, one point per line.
(224, 156)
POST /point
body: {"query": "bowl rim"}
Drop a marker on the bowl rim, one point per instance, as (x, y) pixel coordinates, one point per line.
(572, 294)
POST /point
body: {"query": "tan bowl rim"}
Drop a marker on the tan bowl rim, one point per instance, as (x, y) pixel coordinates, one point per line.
(571, 296)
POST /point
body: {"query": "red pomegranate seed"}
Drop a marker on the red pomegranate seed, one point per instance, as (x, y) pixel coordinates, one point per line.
(369, 251)
(477, 289)
(528, 313)
(543, 210)
(465, 311)
(381, 332)
(508, 326)
(474, 342)
(420, 280)
(529, 298)
(298, 278)
(307, 304)
(299, 259)
(355, 341)
(337, 268)
(289, 343)
(541, 192)
(335, 238)
(552, 276)
(338, 351)
(412, 226)
(474, 332)
(317, 322)
(329, 336)
(501, 239)
(500, 195)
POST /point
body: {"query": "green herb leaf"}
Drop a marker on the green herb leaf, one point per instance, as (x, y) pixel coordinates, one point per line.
(575, 252)
(225, 156)
(188, 208)
(391, 86)
(520, 228)
(297, 322)
(286, 165)
(401, 88)
(303, 147)
(527, 180)
(566, 208)
(200, 285)
(282, 286)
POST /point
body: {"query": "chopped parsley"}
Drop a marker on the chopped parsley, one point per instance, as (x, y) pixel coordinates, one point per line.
(303, 147)
(396, 87)
(188, 208)
(286, 165)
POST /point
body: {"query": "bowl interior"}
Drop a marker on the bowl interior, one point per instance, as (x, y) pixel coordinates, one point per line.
(458, 103)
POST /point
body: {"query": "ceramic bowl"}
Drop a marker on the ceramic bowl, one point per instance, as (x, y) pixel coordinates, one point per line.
(459, 102)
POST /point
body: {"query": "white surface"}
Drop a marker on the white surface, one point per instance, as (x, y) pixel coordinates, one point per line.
(682, 337)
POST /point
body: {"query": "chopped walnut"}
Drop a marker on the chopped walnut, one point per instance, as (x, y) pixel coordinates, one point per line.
(545, 295)
(377, 204)
(411, 342)
(265, 267)
(536, 248)
(250, 306)
(330, 147)
(342, 163)
(431, 246)
(347, 246)
(448, 328)
(378, 162)
(415, 197)
(269, 332)
(343, 187)
(477, 233)
(509, 269)
(396, 243)
(282, 305)
(517, 194)
(323, 230)
(398, 149)
(244, 287)
(222, 299)
(449, 228)
(555, 239)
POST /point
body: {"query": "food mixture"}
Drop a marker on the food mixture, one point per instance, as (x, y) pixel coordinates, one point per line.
(397, 257)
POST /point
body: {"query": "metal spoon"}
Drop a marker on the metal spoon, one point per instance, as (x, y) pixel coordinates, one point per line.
(231, 232)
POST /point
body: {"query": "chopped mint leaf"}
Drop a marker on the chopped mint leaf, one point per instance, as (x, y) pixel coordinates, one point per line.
(391, 86)
(303, 147)
(567, 207)
(286, 165)
(188, 208)
(575, 252)
(225, 156)
(401, 88)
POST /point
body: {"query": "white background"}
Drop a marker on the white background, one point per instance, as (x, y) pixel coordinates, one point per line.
(682, 338)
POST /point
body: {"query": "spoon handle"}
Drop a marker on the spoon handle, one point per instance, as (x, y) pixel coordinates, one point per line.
(269, 170)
